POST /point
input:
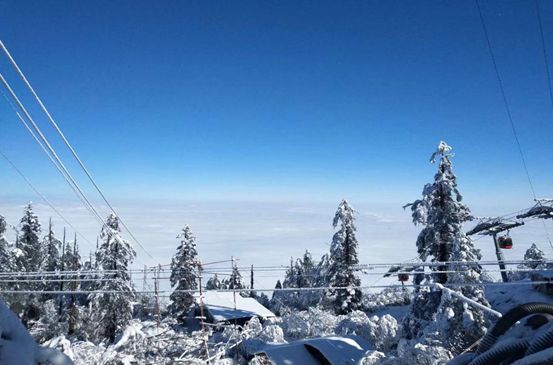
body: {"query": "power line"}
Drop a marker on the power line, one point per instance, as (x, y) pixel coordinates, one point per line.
(33, 187)
(66, 175)
(544, 49)
(54, 162)
(548, 73)
(507, 108)
(318, 288)
(69, 146)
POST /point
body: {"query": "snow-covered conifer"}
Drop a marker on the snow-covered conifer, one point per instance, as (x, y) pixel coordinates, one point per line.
(235, 280)
(184, 272)
(213, 283)
(442, 239)
(343, 255)
(113, 306)
(6, 258)
(29, 257)
(535, 258)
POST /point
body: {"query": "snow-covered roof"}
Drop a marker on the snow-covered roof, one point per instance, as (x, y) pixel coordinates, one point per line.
(336, 350)
(222, 308)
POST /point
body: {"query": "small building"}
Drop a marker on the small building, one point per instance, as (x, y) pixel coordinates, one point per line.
(331, 350)
(221, 307)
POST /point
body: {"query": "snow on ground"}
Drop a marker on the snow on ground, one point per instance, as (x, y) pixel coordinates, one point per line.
(503, 298)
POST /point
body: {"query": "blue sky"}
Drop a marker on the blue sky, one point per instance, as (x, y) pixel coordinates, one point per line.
(281, 100)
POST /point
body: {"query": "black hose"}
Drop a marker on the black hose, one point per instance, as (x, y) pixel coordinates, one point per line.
(538, 359)
(512, 350)
(508, 320)
(542, 342)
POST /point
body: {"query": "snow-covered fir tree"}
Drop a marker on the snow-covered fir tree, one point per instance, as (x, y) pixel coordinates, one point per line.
(51, 246)
(7, 263)
(69, 307)
(343, 255)
(442, 239)
(213, 283)
(6, 257)
(29, 254)
(184, 273)
(52, 258)
(113, 308)
(535, 258)
(28, 257)
(235, 279)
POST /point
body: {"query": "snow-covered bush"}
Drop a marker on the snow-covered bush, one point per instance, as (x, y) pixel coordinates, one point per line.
(380, 331)
(388, 297)
(48, 326)
(311, 323)
(413, 352)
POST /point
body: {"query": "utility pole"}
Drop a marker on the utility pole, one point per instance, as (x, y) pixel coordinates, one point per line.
(252, 293)
(60, 309)
(156, 292)
(233, 286)
(500, 259)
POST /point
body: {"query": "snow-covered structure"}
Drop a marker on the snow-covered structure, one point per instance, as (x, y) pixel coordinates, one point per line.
(333, 350)
(230, 307)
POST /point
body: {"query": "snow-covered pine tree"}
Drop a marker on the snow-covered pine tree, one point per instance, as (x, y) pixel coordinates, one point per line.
(112, 307)
(213, 283)
(343, 255)
(71, 261)
(184, 273)
(307, 278)
(52, 262)
(29, 255)
(442, 239)
(290, 299)
(6, 258)
(535, 258)
(235, 279)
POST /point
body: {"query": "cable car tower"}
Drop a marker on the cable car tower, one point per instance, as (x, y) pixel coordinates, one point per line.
(493, 227)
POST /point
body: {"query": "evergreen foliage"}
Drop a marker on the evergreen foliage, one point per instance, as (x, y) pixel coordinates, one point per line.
(184, 272)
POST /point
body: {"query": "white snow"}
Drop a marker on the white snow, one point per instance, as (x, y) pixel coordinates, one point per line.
(221, 305)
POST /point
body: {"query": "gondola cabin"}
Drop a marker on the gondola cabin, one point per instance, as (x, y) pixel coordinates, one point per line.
(403, 277)
(505, 242)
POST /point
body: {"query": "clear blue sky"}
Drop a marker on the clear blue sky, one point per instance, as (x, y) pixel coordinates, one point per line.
(282, 100)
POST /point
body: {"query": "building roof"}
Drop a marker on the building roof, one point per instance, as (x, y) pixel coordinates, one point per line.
(222, 308)
(334, 350)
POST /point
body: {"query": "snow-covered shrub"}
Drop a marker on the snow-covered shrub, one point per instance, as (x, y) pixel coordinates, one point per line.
(388, 297)
(372, 358)
(413, 352)
(355, 323)
(384, 332)
(311, 323)
(48, 326)
(380, 331)
(296, 325)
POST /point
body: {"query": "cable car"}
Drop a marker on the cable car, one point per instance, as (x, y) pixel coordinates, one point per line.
(403, 277)
(505, 242)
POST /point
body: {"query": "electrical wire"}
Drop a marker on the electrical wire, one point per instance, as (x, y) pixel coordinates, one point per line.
(34, 188)
(506, 103)
(69, 146)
